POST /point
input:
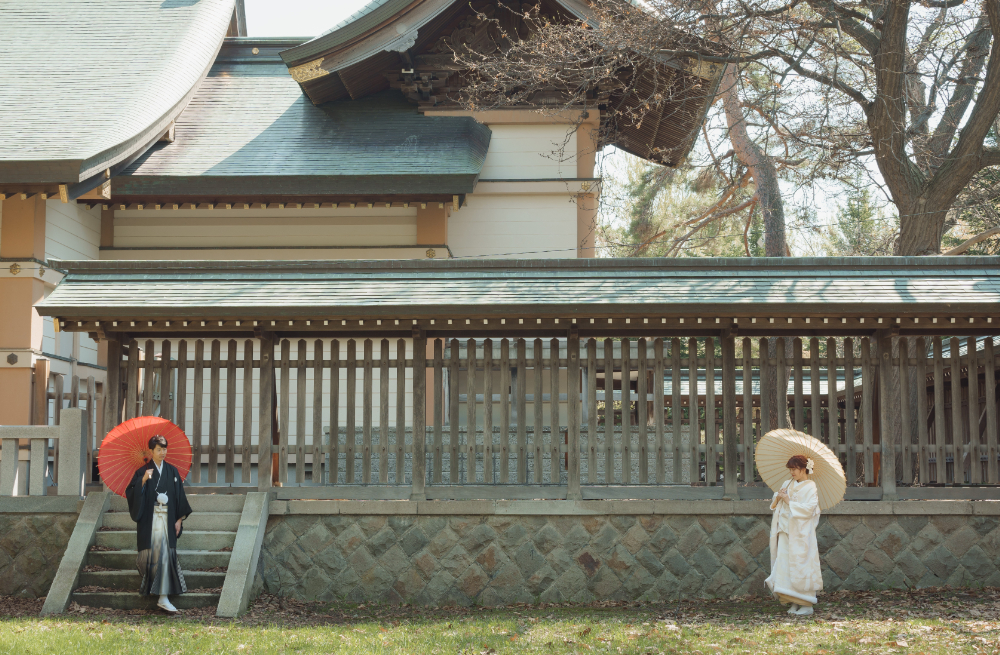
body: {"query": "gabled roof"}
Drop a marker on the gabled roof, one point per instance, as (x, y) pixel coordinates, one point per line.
(85, 87)
(404, 44)
(250, 133)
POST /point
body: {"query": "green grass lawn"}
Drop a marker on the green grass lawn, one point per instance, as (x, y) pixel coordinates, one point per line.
(935, 621)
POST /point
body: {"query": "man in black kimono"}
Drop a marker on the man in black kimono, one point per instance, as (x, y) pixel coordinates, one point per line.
(156, 501)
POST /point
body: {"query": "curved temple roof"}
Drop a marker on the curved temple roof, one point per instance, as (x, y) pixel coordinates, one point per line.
(250, 132)
(86, 86)
(393, 43)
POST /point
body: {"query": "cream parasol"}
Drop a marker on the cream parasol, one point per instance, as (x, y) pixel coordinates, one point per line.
(778, 446)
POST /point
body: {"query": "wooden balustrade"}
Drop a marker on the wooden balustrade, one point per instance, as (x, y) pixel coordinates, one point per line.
(563, 418)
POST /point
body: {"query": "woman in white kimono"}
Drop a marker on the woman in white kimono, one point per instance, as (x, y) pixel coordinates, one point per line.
(795, 572)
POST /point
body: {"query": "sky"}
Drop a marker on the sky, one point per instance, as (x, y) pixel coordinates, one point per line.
(296, 17)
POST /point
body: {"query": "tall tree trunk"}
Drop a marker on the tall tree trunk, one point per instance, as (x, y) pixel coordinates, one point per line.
(759, 163)
(921, 226)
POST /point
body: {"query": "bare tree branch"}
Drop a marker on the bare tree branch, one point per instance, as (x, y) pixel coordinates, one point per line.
(965, 245)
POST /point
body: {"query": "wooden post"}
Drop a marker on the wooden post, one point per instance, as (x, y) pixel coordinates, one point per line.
(957, 429)
(555, 432)
(573, 416)
(166, 404)
(991, 413)
(799, 418)
(781, 381)
(940, 464)
(470, 412)
(214, 390)
(41, 401)
(591, 411)
(383, 414)
(112, 387)
(923, 451)
(351, 403)
(626, 411)
(505, 392)
(90, 417)
(147, 378)
(765, 403)
(676, 411)
(453, 388)
(849, 421)
(694, 431)
(57, 383)
(867, 418)
(438, 460)
(401, 410)
(537, 407)
(904, 405)
(521, 407)
(488, 448)
(887, 458)
(333, 470)
(231, 412)
(833, 423)
(419, 415)
(975, 454)
(300, 413)
(180, 402)
(246, 457)
(658, 414)
(609, 411)
(131, 381)
(266, 419)
(366, 414)
(731, 455)
(815, 405)
(748, 435)
(641, 393)
(198, 404)
(711, 419)
(284, 408)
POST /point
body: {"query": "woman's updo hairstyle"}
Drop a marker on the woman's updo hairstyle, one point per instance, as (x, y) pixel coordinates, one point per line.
(798, 462)
(157, 440)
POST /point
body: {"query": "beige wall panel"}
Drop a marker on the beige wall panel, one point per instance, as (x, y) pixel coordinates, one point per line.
(162, 229)
(230, 254)
(520, 152)
(516, 226)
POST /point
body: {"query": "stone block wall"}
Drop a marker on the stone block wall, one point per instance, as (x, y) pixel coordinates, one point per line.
(31, 547)
(498, 558)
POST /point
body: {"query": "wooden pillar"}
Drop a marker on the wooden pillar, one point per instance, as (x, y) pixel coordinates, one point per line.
(419, 414)
(730, 456)
(113, 387)
(266, 419)
(573, 417)
(889, 416)
(22, 239)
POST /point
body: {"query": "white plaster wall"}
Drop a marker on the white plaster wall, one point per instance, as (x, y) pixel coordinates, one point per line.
(514, 226)
(519, 152)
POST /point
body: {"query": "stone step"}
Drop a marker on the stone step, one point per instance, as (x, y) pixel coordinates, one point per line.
(189, 540)
(217, 521)
(188, 559)
(129, 580)
(198, 502)
(124, 600)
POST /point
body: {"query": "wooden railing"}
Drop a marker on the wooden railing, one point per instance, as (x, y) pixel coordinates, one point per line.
(70, 434)
(534, 418)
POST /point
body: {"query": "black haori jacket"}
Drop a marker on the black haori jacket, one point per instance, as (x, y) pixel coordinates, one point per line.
(141, 499)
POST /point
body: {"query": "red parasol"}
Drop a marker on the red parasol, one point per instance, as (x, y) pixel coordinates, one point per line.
(126, 448)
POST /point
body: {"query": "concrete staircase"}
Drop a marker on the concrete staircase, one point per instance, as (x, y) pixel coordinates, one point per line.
(207, 543)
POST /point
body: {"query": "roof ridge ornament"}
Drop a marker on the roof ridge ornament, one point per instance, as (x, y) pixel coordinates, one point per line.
(308, 71)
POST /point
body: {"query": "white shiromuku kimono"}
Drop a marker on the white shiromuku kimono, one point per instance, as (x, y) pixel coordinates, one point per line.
(795, 570)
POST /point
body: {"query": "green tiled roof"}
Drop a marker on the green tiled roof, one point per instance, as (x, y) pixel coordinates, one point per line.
(250, 130)
(887, 286)
(87, 85)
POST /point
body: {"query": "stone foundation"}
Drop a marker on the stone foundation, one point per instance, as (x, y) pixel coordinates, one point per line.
(504, 552)
(32, 544)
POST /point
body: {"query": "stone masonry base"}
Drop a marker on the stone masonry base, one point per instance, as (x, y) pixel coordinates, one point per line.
(495, 553)
(33, 536)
